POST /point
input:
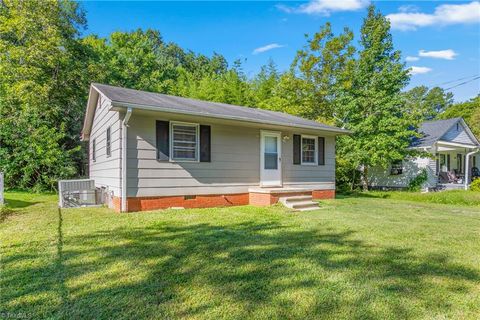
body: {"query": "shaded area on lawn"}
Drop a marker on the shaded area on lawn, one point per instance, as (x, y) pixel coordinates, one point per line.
(9, 206)
(262, 270)
(15, 204)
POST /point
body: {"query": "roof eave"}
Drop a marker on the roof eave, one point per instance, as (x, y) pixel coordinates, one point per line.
(93, 95)
(457, 144)
(87, 121)
(120, 104)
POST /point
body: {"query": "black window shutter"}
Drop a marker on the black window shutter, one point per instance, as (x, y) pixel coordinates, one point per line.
(448, 162)
(163, 141)
(321, 151)
(296, 148)
(205, 143)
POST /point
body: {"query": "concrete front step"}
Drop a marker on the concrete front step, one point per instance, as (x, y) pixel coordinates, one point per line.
(303, 204)
(294, 199)
(299, 203)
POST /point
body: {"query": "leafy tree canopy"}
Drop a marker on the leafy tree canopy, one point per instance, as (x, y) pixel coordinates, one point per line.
(426, 104)
(381, 131)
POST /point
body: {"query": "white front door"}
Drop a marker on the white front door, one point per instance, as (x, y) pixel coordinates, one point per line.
(270, 159)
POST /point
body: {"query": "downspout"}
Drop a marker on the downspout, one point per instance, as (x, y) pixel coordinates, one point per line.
(467, 167)
(124, 159)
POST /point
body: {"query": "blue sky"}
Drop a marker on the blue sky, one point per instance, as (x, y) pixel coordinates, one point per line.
(441, 38)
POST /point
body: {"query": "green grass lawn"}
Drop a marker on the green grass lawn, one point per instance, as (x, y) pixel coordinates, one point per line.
(372, 257)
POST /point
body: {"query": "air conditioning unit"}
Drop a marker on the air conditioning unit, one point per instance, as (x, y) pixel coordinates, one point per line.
(77, 193)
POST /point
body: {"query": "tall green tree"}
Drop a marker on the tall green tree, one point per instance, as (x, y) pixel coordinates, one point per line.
(325, 66)
(41, 69)
(265, 82)
(468, 110)
(138, 59)
(426, 104)
(381, 131)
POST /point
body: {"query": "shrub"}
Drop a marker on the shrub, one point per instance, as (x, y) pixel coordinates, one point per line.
(475, 186)
(347, 176)
(416, 183)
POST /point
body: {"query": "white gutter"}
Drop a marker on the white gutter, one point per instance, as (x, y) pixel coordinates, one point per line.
(467, 169)
(124, 159)
(456, 144)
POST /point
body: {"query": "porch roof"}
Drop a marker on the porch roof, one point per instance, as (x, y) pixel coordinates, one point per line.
(433, 131)
(447, 146)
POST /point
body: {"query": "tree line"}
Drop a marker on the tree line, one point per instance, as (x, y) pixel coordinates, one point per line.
(46, 66)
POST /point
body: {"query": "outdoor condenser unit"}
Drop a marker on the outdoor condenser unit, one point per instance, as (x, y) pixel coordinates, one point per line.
(77, 193)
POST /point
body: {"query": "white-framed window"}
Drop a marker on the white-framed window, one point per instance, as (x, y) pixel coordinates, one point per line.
(309, 150)
(108, 143)
(94, 146)
(184, 141)
(396, 168)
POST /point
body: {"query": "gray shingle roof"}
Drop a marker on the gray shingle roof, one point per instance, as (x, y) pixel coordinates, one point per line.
(162, 102)
(432, 131)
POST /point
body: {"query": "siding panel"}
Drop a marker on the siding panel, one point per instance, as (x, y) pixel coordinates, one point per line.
(457, 135)
(380, 177)
(106, 170)
(234, 166)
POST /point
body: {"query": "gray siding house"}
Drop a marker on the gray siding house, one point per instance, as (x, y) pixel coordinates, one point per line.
(150, 151)
(454, 153)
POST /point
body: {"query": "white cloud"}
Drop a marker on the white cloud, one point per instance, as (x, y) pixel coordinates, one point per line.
(409, 8)
(410, 58)
(268, 47)
(444, 14)
(419, 70)
(325, 7)
(441, 54)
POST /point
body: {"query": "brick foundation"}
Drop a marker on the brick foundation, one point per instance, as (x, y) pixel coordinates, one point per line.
(199, 201)
(323, 194)
(116, 204)
(208, 201)
(267, 199)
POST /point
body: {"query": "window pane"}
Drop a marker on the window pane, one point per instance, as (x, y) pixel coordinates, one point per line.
(397, 167)
(270, 153)
(184, 154)
(184, 139)
(271, 161)
(271, 144)
(308, 150)
(93, 149)
(108, 143)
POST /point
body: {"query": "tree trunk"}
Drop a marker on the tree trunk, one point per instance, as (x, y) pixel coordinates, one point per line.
(365, 177)
(353, 180)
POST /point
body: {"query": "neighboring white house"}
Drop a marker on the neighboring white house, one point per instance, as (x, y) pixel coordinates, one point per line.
(454, 152)
(150, 151)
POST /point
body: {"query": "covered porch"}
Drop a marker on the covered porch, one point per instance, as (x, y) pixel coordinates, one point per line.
(456, 164)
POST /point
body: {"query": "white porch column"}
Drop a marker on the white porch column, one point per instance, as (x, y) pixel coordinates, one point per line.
(467, 167)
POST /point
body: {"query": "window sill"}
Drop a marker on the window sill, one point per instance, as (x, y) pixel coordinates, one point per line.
(182, 161)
